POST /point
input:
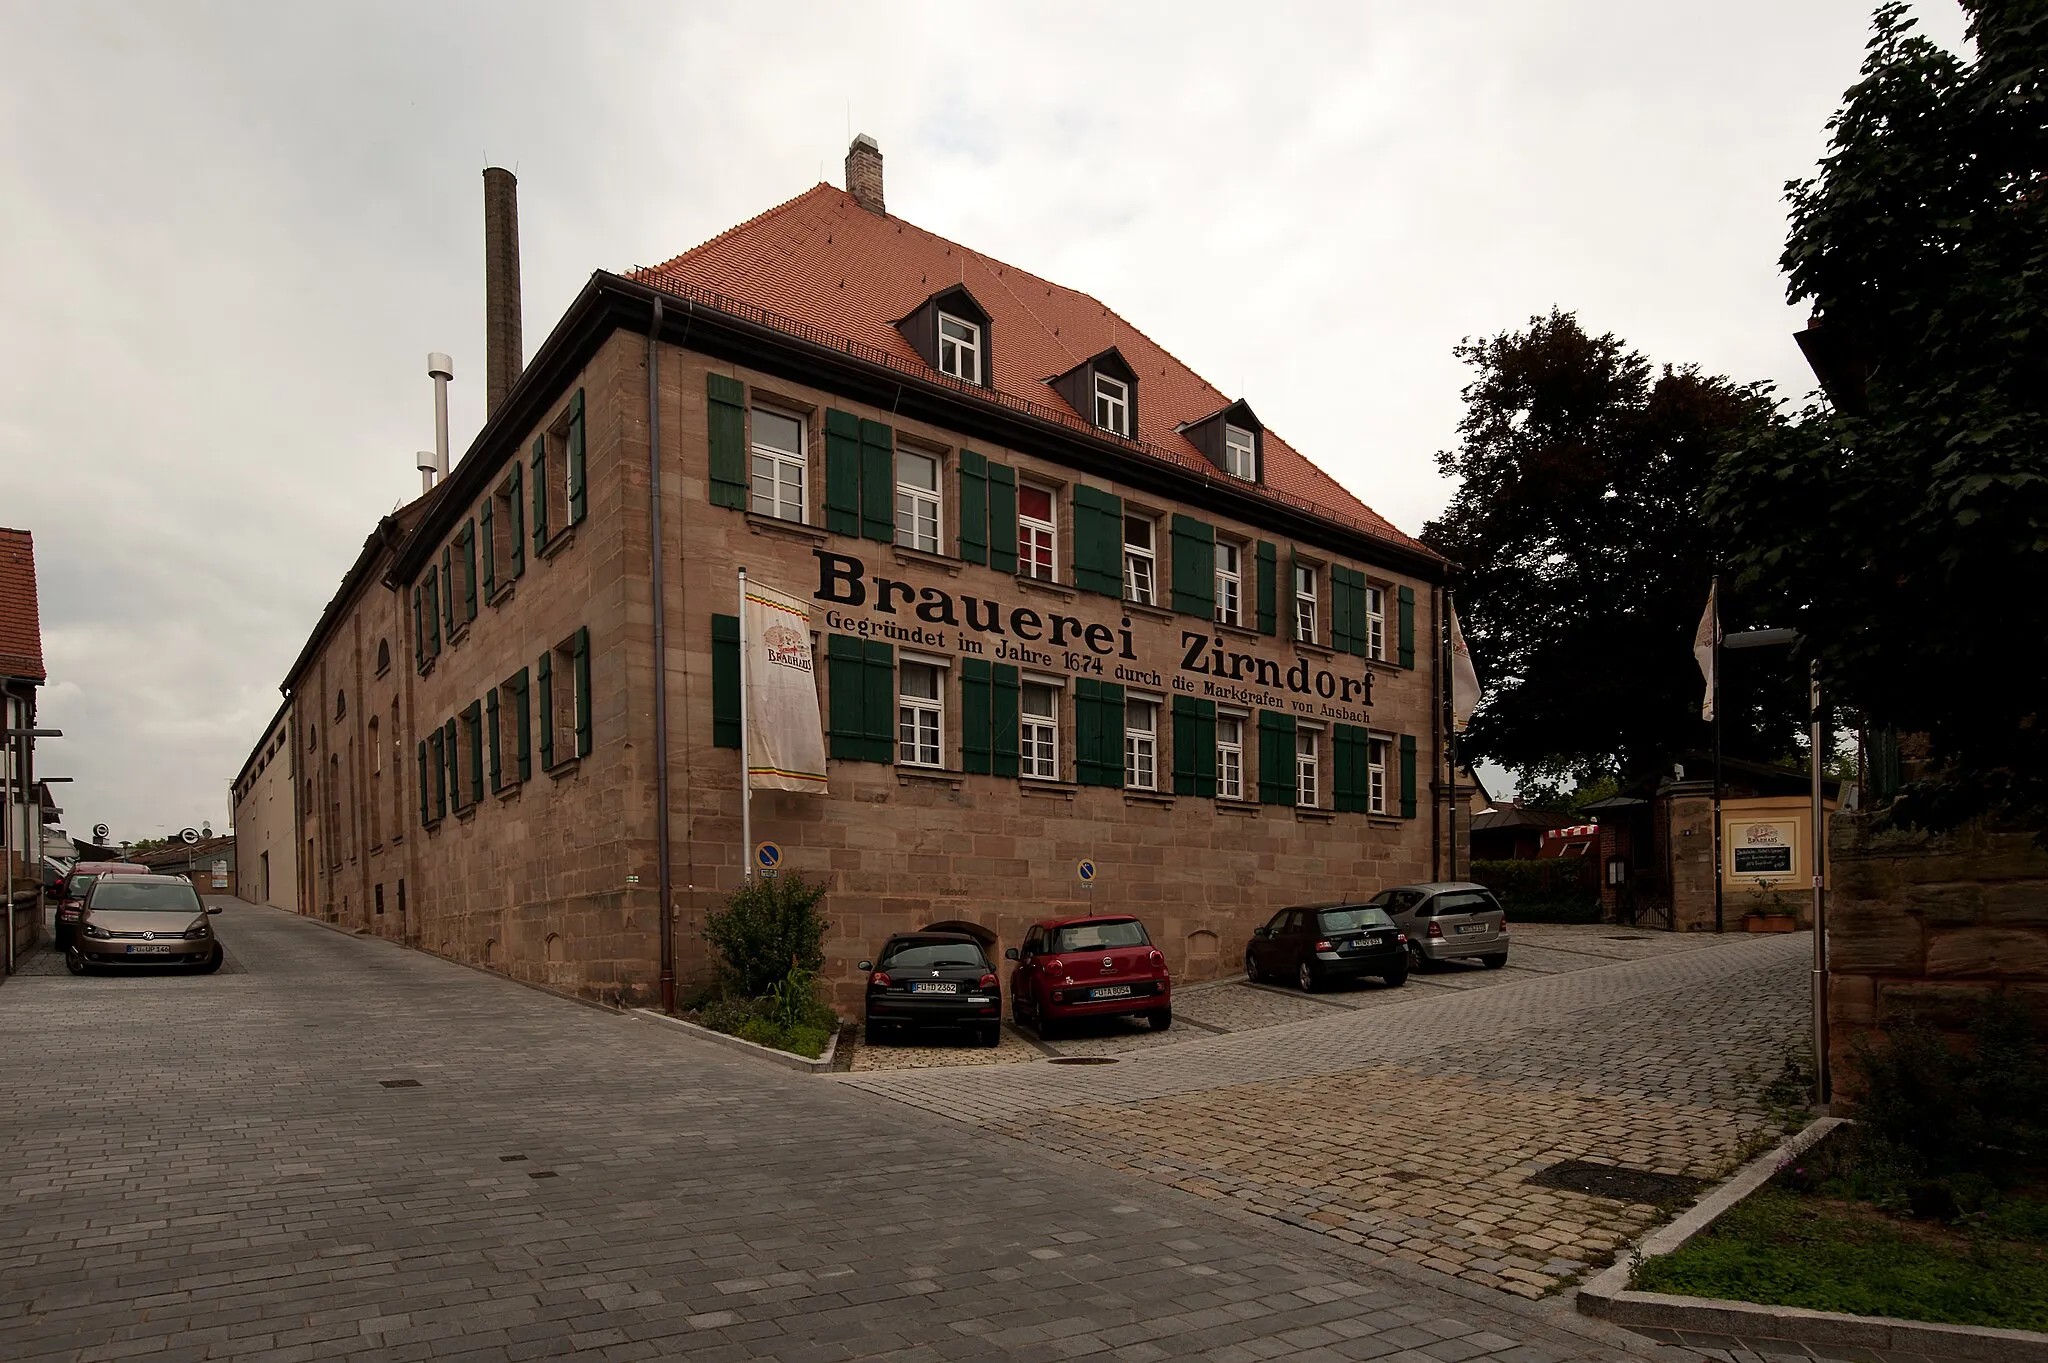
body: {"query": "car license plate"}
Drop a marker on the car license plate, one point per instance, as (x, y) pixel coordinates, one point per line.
(154, 949)
(934, 987)
(1111, 991)
(1471, 927)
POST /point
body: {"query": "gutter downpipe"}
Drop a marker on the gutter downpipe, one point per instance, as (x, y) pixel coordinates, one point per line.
(663, 873)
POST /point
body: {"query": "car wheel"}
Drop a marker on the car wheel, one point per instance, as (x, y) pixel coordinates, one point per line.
(211, 963)
(1251, 968)
(1160, 1018)
(1395, 978)
(75, 962)
(992, 1034)
(1417, 962)
(873, 1033)
(1305, 976)
(1494, 962)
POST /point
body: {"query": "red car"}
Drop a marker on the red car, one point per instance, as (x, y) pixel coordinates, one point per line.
(78, 884)
(1097, 965)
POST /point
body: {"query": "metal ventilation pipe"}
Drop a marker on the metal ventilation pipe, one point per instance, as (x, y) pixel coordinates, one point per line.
(429, 465)
(504, 353)
(440, 369)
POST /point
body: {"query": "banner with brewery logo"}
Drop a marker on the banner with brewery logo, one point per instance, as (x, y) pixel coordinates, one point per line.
(785, 726)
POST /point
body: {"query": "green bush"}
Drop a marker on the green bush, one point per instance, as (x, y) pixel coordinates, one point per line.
(1940, 1109)
(1545, 890)
(768, 928)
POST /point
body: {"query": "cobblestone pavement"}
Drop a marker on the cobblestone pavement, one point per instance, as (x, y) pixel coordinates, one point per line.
(346, 1149)
(1231, 1005)
(1410, 1126)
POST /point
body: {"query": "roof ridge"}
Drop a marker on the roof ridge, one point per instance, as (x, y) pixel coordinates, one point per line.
(737, 228)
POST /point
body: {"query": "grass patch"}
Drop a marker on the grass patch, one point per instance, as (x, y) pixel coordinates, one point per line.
(1786, 1247)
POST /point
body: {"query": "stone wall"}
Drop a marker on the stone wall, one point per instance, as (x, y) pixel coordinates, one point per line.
(1924, 925)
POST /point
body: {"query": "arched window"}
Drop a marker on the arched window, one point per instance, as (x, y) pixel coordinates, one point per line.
(340, 704)
(376, 786)
(383, 656)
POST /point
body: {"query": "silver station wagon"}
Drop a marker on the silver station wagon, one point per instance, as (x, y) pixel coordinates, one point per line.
(1448, 920)
(144, 920)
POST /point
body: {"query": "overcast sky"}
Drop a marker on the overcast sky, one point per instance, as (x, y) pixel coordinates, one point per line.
(229, 234)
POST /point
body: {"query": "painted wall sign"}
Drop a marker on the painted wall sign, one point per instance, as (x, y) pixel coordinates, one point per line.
(1762, 848)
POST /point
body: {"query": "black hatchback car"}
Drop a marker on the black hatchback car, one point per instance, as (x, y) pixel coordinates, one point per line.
(1317, 944)
(933, 979)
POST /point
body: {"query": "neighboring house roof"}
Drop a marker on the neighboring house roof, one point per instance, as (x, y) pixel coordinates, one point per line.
(178, 854)
(1497, 820)
(21, 628)
(822, 263)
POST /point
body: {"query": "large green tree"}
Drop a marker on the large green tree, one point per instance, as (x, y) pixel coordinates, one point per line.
(1903, 526)
(1585, 556)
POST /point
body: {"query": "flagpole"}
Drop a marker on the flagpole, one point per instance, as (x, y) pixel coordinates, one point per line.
(1714, 593)
(746, 777)
(1449, 666)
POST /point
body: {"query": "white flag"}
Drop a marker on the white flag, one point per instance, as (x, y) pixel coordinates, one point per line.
(1464, 679)
(785, 733)
(1705, 646)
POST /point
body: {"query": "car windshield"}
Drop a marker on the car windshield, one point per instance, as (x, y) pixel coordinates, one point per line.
(1122, 932)
(80, 883)
(1352, 919)
(1463, 901)
(909, 955)
(119, 892)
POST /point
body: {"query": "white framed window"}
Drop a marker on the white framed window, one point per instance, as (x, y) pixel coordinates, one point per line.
(960, 348)
(917, 500)
(1229, 582)
(1140, 561)
(1375, 622)
(1141, 744)
(1112, 404)
(777, 485)
(1304, 603)
(920, 715)
(1240, 454)
(1035, 532)
(1229, 757)
(1038, 733)
(1307, 767)
(1377, 752)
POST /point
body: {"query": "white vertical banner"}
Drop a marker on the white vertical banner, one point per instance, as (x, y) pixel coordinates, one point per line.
(1464, 679)
(1706, 646)
(785, 730)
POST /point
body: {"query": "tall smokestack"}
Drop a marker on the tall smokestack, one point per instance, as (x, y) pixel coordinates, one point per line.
(864, 174)
(504, 351)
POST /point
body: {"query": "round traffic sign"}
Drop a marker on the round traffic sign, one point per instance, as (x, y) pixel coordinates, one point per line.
(189, 835)
(100, 832)
(768, 856)
(1085, 869)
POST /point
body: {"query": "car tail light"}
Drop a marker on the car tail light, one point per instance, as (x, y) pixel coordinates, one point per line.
(1155, 960)
(1503, 922)
(988, 981)
(1326, 945)
(1402, 938)
(880, 979)
(1056, 966)
(1436, 929)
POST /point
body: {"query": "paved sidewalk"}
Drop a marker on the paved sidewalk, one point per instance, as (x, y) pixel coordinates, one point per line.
(353, 1150)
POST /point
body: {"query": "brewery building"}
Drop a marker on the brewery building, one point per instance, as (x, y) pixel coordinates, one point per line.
(1088, 635)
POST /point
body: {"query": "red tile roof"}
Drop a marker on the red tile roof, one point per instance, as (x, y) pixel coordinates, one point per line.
(21, 629)
(824, 263)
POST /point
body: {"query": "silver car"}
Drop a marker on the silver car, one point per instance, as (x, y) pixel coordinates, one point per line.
(144, 920)
(1448, 920)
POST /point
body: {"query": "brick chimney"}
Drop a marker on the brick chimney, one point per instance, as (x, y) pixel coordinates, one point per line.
(504, 350)
(864, 174)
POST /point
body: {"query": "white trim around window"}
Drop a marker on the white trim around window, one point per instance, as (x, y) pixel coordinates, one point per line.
(1141, 743)
(1230, 757)
(1376, 622)
(1308, 766)
(920, 713)
(1305, 602)
(1378, 755)
(917, 500)
(1112, 404)
(1141, 562)
(1229, 582)
(1240, 454)
(1038, 732)
(776, 485)
(1037, 534)
(960, 347)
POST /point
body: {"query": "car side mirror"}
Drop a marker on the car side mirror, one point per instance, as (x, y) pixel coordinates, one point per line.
(213, 908)
(1010, 955)
(1262, 932)
(863, 965)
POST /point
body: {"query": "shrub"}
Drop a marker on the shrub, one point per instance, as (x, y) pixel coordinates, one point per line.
(1546, 890)
(768, 928)
(1940, 1107)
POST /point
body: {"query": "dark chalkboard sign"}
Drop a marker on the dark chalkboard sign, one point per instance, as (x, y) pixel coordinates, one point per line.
(1762, 861)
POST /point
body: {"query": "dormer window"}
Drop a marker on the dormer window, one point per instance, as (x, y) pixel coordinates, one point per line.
(1112, 404)
(959, 348)
(1240, 453)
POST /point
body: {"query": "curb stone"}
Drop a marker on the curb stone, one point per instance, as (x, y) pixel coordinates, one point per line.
(1609, 1297)
(822, 1065)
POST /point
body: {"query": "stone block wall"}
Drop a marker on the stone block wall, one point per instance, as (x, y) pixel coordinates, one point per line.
(1926, 925)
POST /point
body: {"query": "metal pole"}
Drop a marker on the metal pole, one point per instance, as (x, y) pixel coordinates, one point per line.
(1714, 592)
(664, 874)
(1817, 842)
(1445, 662)
(7, 836)
(746, 780)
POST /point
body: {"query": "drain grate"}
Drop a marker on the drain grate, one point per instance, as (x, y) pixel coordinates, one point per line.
(542, 1173)
(1623, 1185)
(400, 1083)
(508, 1159)
(1082, 1060)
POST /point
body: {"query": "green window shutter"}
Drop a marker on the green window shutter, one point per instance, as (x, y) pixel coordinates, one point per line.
(877, 482)
(540, 493)
(452, 751)
(976, 715)
(881, 701)
(726, 416)
(469, 576)
(973, 507)
(846, 709)
(437, 746)
(1347, 744)
(1002, 518)
(1407, 596)
(426, 815)
(579, 501)
(547, 710)
(520, 684)
(582, 657)
(1407, 776)
(1099, 544)
(473, 720)
(1194, 567)
(433, 613)
(419, 631)
(1340, 609)
(1269, 587)
(1194, 747)
(725, 681)
(1361, 624)
(448, 589)
(1089, 736)
(487, 547)
(1276, 759)
(491, 738)
(842, 473)
(518, 503)
(1008, 701)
